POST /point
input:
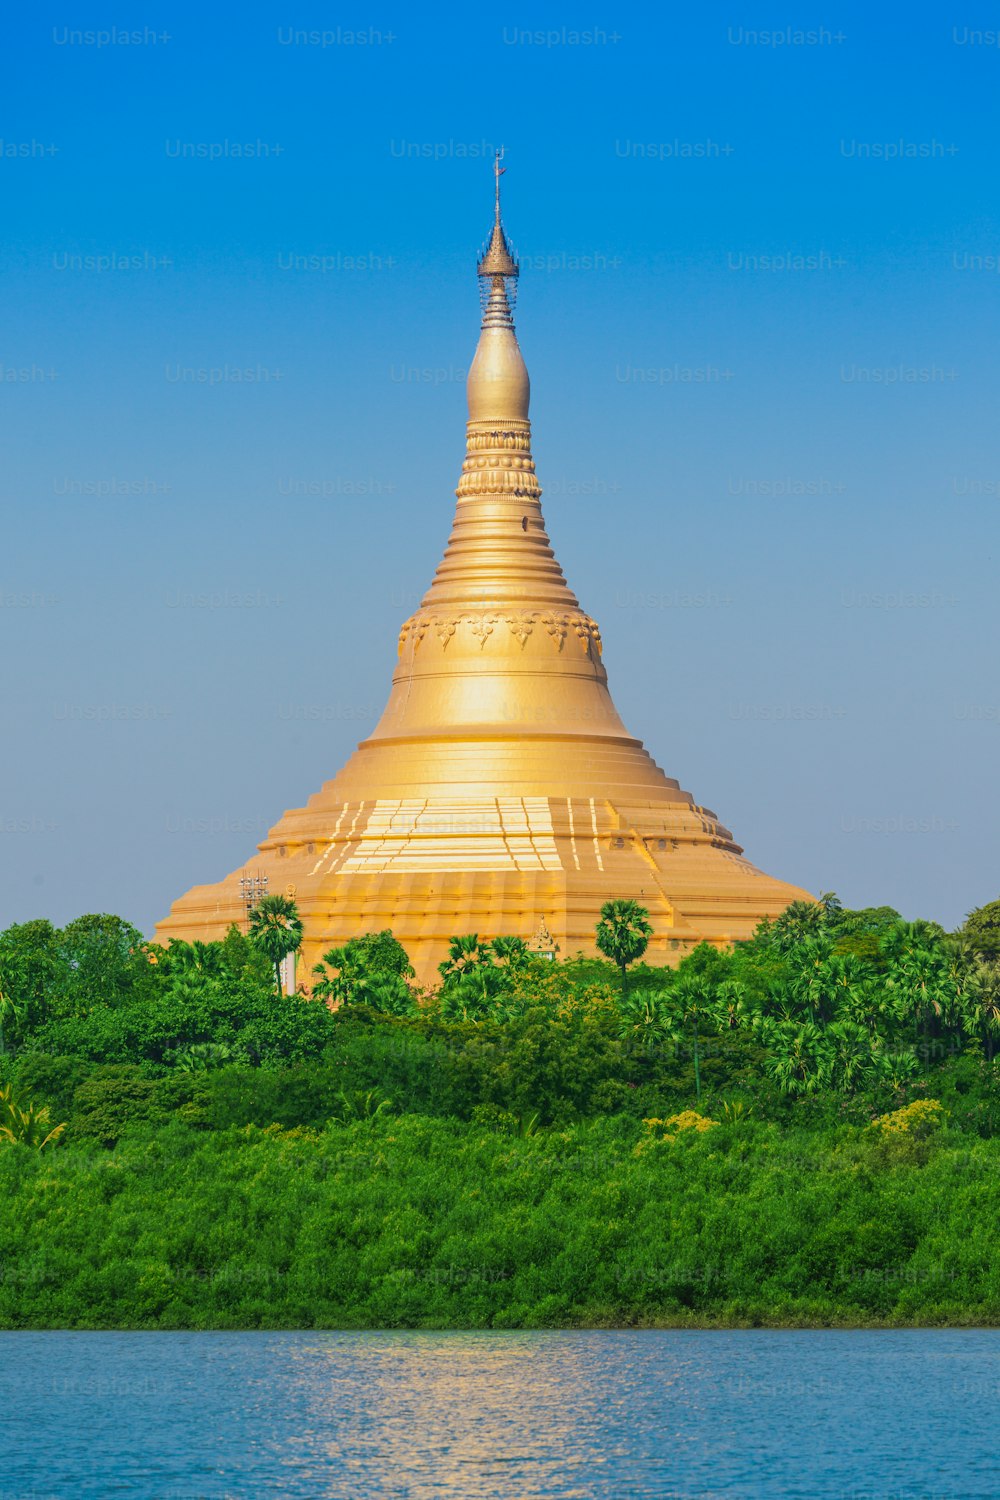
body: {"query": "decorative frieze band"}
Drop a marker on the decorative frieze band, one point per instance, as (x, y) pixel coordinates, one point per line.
(498, 461)
(497, 441)
(558, 626)
(503, 482)
(491, 473)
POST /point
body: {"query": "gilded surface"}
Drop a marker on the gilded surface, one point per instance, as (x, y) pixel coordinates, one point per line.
(500, 792)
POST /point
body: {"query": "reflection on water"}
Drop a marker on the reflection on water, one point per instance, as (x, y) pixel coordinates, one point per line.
(486, 1415)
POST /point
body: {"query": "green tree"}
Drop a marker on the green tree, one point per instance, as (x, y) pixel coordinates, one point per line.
(472, 980)
(29, 970)
(623, 934)
(801, 1055)
(982, 928)
(868, 921)
(103, 961)
(382, 954)
(487, 981)
(276, 929)
(980, 983)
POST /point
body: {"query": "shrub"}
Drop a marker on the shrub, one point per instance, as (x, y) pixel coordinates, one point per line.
(674, 1126)
(919, 1119)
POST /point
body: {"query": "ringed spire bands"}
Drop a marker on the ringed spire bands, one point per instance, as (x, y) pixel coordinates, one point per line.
(500, 790)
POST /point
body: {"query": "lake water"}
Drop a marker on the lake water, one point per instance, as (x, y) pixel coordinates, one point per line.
(188, 1416)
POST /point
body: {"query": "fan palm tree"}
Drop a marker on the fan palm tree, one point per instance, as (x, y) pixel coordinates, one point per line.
(853, 1052)
(354, 983)
(512, 952)
(978, 985)
(465, 955)
(922, 987)
(623, 934)
(201, 1057)
(276, 929)
(336, 986)
(646, 1017)
(730, 1007)
(801, 1056)
(388, 993)
(694, 997)
(359, 1105)
(801, 921)
(892, 1070)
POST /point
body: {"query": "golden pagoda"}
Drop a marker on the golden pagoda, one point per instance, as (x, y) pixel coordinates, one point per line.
(500, 793)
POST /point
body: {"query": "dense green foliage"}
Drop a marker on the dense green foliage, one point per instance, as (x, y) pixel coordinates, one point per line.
(370, 970)
(478, 1156)
(154, 1003)
(982, 930)
(414, 1222)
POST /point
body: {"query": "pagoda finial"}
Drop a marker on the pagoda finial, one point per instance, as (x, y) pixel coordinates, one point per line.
(498, 260)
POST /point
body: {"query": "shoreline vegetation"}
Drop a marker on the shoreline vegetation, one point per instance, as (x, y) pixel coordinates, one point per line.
(800, 1132)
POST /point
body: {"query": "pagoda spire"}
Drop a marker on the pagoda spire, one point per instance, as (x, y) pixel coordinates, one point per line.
(499, 551)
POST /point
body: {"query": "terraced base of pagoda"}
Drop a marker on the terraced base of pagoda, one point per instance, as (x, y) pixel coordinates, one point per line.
(434, 868)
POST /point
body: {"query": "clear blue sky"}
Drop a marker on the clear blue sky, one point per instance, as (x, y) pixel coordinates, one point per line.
(777, 489)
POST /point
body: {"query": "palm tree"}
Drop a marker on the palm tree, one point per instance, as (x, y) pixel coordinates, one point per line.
(854, 1060)
(695, 996)
(730, 1005)
(921, 984)
(512, 952)
(468, 998)
(339, 986)
(623, 934)
(388, 993)
(465, 955)
(844, 980)
(801, 1058)
(276, 929)
(977, 982)
(24, 1124)
(646, 1017)
(893, 1070)
(800, 921)
(201, 1057)
(359, 1105)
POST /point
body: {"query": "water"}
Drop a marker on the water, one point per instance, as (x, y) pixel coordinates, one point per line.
(481, 1415)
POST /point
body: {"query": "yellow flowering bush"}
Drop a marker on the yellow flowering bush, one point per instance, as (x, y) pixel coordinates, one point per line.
(919, 1119)
(673, 1126)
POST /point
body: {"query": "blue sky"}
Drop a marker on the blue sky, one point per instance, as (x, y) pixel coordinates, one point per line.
(759, 306)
